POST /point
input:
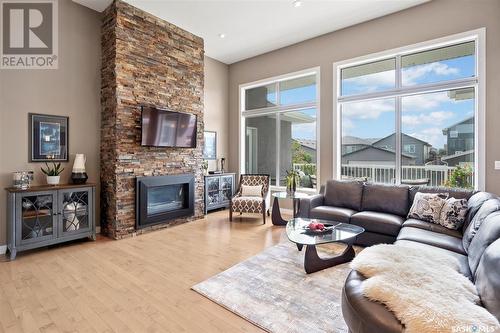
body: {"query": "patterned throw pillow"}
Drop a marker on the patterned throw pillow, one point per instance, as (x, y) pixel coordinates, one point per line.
(453, 213)
(427, 206)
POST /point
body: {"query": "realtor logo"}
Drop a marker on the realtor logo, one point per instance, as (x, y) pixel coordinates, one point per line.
(29, 34)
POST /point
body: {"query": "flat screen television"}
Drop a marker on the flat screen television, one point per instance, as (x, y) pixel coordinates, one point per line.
(165, 128)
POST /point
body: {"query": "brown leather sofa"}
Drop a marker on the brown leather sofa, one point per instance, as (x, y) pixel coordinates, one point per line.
(382, 211)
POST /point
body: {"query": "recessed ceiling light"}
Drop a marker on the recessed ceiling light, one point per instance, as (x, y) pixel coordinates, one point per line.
(222, 36)
(297, 3)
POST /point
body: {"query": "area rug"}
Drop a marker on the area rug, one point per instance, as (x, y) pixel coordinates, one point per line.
(272, 291)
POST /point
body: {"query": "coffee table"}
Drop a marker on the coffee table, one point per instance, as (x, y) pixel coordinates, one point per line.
(342, 233)
(276, 215)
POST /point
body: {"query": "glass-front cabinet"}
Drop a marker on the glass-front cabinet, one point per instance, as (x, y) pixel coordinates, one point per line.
(219, 189)
(75, 208)
(46, 215)
(37, 217)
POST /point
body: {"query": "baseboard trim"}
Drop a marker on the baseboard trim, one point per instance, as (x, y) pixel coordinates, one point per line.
(3, 249)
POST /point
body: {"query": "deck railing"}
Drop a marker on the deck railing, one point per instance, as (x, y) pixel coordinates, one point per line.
(435, 175)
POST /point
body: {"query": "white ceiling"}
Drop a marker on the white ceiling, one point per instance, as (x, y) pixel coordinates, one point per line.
(256, 27)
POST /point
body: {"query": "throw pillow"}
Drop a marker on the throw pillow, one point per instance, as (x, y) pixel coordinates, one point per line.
(453, 213)
(427, 206)
(251, 191)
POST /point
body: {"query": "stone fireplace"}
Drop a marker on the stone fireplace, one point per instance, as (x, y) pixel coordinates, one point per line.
(146, 61)
(160, 199)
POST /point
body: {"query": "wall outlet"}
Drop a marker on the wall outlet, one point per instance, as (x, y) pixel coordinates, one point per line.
(497, 165)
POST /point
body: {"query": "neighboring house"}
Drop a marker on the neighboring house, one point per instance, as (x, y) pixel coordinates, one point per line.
(411, 146)
(372, 155)
(309, 147)
(459, 158)
(352, 143)
(460, 137)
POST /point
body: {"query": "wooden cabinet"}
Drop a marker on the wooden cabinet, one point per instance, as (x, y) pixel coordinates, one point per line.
(46, 215)
(219, 189)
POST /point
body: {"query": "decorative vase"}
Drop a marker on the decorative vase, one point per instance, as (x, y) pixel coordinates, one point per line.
(53, 180)
(78, 174)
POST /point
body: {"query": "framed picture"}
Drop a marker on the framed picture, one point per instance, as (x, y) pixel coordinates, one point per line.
(48, 139)
(210, 148)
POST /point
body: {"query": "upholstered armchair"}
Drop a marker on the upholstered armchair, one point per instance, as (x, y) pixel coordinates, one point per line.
(244, 203)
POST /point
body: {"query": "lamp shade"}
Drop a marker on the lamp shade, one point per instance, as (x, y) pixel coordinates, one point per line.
(79, 164)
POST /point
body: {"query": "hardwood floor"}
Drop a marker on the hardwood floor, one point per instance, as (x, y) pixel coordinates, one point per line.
(140, 284)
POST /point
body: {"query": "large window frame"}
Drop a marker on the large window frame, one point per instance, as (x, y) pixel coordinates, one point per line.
(278, 110)
(477, 82)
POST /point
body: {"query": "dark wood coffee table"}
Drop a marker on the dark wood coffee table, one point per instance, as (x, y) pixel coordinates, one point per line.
(341, 233)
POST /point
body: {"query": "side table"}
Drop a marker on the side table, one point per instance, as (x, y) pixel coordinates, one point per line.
(276, 215)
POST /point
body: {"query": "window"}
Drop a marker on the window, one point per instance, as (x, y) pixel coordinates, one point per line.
(412, 116)
(279, 126)
(411, 149)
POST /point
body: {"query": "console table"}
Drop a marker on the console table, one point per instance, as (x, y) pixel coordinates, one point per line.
(46, 215)
(219, 189)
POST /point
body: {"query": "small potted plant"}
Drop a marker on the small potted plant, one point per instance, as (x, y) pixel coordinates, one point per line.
(53, 173)
(292, 179)
(204, 167)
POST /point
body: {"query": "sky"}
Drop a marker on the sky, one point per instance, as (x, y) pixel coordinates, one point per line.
(424, 116)
(295, 96)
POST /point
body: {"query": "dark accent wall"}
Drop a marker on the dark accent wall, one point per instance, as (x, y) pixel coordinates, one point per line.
(145, 61)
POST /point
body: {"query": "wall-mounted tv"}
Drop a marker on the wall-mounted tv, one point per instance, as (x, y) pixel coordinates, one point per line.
(165, 128)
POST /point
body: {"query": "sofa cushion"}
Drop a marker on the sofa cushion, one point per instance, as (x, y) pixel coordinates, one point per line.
(453, 213)
(487, 278)
(384, 223)
(386, 199)
(416, 223)
(338, 214)
(457, 193)
(475, 202)
(363, 315)
(488, 207)
(486, 235)
(346, 194)
(462, 259)
(443, 241)
(427, 206)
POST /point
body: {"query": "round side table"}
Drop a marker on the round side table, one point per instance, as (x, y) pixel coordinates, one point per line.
(276, 215)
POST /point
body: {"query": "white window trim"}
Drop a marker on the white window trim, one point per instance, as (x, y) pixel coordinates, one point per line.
(479, 35)
(242, 113)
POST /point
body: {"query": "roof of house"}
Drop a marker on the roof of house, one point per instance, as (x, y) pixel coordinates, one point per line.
(458, 154)
(445, 130)
(410, 136)
(378, 148)
(308, 143)
(354, 140)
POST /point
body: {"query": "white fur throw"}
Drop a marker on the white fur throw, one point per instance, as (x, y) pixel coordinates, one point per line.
(422, 288)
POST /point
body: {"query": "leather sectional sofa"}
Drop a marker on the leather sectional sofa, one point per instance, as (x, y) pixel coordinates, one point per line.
(381, 210)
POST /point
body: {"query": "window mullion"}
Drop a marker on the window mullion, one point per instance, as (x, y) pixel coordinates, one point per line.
(398, 136)
(413, 90)
(278, 150)
(278, 133)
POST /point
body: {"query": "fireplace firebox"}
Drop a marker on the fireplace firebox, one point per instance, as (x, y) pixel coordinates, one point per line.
(163, 198)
